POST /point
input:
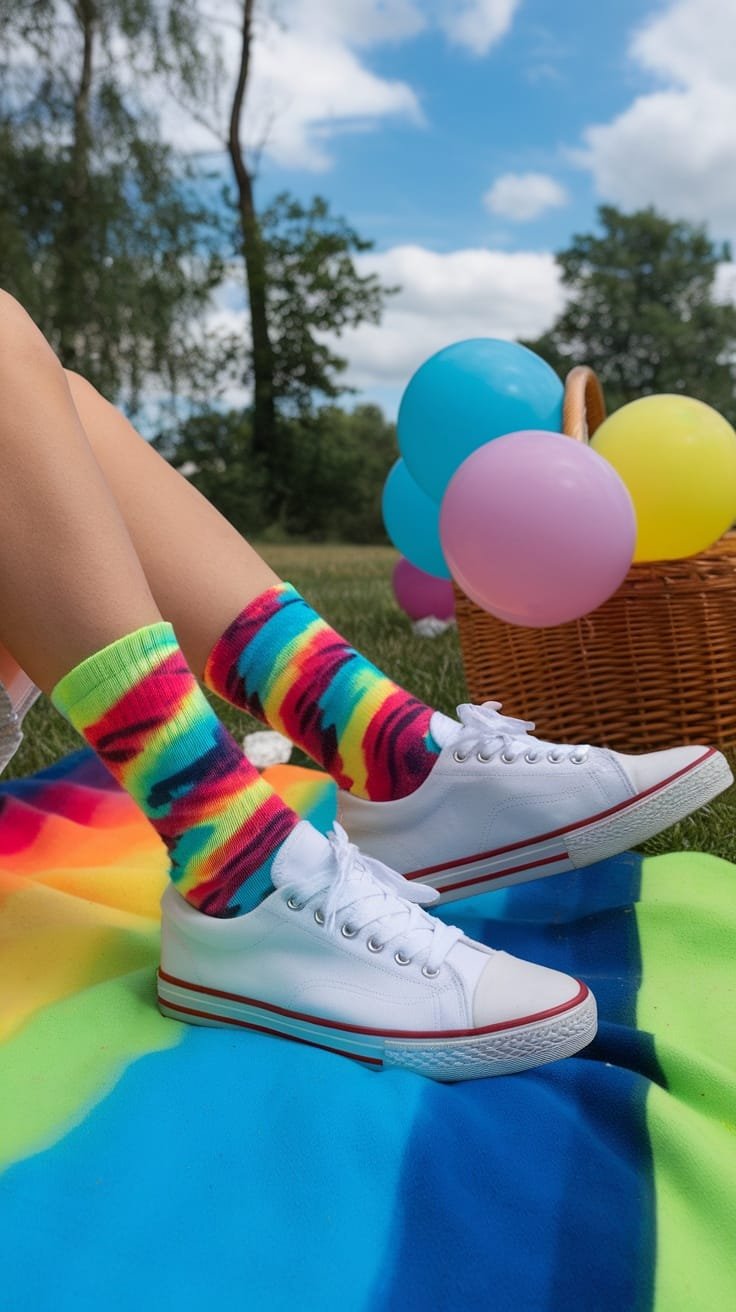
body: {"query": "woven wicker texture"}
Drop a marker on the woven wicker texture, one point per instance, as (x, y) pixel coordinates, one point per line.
(653, 667)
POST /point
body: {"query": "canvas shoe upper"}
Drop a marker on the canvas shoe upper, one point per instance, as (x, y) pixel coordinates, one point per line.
(501, 806)
(342, 955)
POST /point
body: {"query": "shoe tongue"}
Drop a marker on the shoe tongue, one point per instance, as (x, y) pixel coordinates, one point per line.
(443, 729)
(305, 852)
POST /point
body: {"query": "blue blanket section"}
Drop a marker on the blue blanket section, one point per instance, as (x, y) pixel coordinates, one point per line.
(241, 1171)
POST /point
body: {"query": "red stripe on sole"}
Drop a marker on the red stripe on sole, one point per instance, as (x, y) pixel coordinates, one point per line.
(567, 829)
(263, 1029)
(499, 874)
(519, 1021)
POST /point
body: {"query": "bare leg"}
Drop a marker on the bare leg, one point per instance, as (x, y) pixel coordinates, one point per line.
(202, 572)
(70, 579)
(204, 576)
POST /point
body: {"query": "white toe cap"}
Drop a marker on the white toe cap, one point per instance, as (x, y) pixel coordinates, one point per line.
(655, 767)
(511, 989)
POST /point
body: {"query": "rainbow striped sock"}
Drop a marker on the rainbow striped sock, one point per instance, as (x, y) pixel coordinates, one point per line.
(286, 666)
(140, 707)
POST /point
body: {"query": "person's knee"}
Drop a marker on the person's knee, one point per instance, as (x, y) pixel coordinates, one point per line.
(78, 385)
(85, 396)
(20, 340)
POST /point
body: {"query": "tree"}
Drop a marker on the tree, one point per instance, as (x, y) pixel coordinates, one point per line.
(338, 462)
(642, 311)
(335, 465)
(303, 286)
(100, 234)
(214, 451)
(252, 249)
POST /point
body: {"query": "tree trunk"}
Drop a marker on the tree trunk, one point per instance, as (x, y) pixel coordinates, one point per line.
(265, 425)
(72, 254)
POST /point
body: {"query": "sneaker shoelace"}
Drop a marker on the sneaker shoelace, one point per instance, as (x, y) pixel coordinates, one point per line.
(489, 734)
(366, 894)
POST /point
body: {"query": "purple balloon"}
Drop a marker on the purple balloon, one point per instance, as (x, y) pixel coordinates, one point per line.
(420, 594)
(537, 529)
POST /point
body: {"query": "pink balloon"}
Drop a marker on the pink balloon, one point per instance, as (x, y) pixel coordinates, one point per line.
(537, 529)
(420, 594)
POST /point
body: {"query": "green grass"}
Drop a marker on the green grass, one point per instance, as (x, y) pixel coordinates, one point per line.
(351, 587)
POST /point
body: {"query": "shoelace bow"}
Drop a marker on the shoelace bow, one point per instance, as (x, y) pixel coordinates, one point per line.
(356, 880)
(490, 733)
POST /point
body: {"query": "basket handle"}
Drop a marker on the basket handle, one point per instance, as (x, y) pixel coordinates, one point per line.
(584, 407)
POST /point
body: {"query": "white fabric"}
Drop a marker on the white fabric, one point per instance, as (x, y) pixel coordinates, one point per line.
(483, 729)
(646, 771)
(366, 894)
(510, 988)
(430, 626)
(266, 747)
(495, 785)
(284, 956)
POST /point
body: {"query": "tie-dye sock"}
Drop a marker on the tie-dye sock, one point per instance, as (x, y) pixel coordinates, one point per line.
(139, 706)
(283, 663)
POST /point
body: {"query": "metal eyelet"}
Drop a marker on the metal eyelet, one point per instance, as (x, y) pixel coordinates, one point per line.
(293, 905)
(553, 760)
(348, 931)
(373, 946)
(531, 757)
(578, 760)
(319, 917)
(400, 959)
(481, 756)
(430, 974)
(507, 760)
(458, 756)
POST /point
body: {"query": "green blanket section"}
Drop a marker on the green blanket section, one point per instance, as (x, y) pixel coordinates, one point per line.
(686, 918)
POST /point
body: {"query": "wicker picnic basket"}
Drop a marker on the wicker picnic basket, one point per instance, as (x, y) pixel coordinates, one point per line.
(653, 667)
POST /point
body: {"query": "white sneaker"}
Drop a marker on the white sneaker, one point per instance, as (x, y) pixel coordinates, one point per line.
(501, 807)
(342, 956)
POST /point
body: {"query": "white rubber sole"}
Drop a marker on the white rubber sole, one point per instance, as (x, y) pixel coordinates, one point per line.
(604, 835)
(454, 1055)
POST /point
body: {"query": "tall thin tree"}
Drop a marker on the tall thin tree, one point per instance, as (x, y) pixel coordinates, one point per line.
(265, 429)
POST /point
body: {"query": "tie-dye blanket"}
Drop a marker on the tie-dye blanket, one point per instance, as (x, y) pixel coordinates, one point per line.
(148, 1164)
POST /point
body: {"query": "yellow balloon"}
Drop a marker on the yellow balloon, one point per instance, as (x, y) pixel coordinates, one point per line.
(677, 457)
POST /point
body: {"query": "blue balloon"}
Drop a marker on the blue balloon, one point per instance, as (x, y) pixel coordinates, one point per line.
(466, 395)
(412, 522)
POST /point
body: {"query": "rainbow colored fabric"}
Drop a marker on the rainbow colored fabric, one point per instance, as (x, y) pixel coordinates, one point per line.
(147, 1164)
(139, 706)
(282, 662)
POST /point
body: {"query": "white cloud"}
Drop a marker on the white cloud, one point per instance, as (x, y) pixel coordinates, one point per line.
(310, 79)
(524, 196)
(358, 22)
(477, 24)
(305, 86)
(724, 288)
(445, 298)
(675, 147)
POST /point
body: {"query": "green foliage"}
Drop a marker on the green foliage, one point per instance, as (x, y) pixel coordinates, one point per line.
(214, 450)
(100, 234)
(338, 462)
(105, 238)
(335, 465)
(314, 290)
(641, 311)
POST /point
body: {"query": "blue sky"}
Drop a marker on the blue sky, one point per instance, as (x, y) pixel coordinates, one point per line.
(470, 138)
(517, 108)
